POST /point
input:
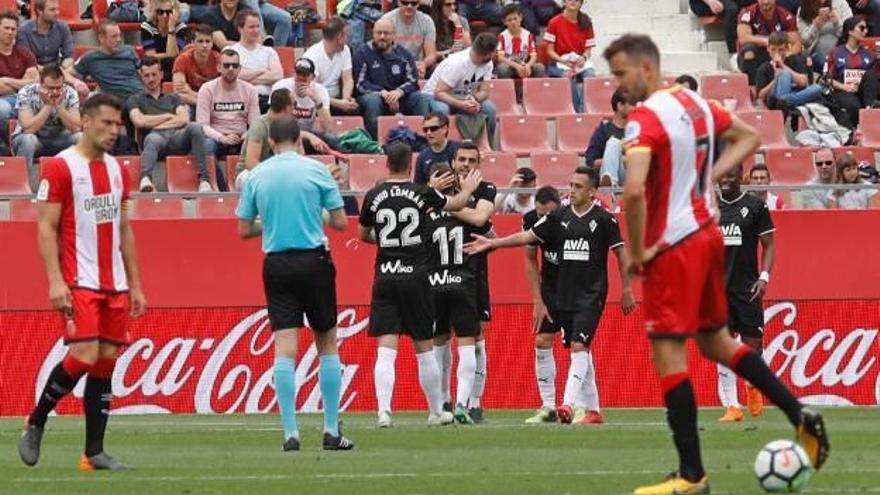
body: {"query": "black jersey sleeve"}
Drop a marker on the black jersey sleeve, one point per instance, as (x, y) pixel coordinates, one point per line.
(487, 191)
(764, 222)
(612, 231)
(546, 228)
(433, 198)
(367, 217)
(529, 219)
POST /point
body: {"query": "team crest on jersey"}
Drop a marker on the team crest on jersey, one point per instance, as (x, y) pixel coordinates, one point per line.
(744, 212)
(43, 191)
(593, 225)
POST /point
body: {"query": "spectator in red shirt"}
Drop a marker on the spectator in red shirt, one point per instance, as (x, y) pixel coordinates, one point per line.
(571, 41)
(851, 69)
(197, 65)
(756, 23)
(18, 68)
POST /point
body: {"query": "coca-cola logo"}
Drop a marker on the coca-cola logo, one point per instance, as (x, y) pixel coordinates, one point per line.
(827, 359)
(236, 377)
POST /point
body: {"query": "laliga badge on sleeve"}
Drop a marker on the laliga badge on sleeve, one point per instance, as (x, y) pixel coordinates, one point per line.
(43, 191)
(632, 131)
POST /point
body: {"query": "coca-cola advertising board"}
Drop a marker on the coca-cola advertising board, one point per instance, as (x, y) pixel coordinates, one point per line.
(219, 360)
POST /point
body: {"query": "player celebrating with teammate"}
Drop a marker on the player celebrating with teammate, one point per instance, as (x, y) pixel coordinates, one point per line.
(745, 223)
(581, 234)
(676, 245)
(394, 218)
(87, 246)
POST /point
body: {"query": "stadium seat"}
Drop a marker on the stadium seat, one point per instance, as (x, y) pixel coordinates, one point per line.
(597, 94)
(503, 94)
(522, 134)
(347, 123)
(24, 210)
(217, 207)
(770, 125)
(454, 134)
(8, 5)
(388, 122)
(554, 168)
(80, 50)
(182, 175)
(132, 164)
(573, 132)
(364, 171)
(498, 167)
(231, 164)
(157, 207)
(547, 97)
(13, 175)
(791, 165)
(723, 87)
(99, 10)
(288, 59)
(870, 43)
(860, 153)
(869, 123)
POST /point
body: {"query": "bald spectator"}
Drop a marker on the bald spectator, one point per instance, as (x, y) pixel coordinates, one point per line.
(416, 33)
(260, 65)
(197, 65)
(112, 65)
(333, 68)
(387, 78)
(18, 68)
(817, 199)
(226, 107)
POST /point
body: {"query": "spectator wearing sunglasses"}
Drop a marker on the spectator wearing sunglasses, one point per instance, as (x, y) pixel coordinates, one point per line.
(163, 35)
(416, 33)
(851, 69)
(440, 150)
(817, 199)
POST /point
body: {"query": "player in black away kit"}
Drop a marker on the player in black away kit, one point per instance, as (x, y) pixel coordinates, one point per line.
(394, 217)
(745, 223)
(478, 213)
(581, 234)
(453, 278)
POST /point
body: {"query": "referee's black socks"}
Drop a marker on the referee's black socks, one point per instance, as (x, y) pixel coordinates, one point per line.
(681, 413)
(748, 364)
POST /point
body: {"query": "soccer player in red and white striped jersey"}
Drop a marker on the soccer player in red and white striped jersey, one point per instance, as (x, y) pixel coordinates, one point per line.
(675, 243)
(88, 249)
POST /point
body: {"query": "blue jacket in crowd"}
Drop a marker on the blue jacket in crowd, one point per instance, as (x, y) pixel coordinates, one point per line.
(374, 71)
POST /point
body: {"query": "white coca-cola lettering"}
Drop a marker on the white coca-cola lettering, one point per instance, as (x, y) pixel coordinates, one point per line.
(243, 388)
(798, 354)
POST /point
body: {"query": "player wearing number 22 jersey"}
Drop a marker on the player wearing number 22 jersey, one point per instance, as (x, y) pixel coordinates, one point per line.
(394, 217)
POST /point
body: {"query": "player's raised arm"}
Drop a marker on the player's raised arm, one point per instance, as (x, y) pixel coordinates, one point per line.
(742, 142)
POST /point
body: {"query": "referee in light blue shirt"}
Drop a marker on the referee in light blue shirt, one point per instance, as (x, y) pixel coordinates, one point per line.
(290, 193)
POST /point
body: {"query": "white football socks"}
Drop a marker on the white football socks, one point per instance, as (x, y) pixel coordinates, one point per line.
(383, 377)
(545, 372)
(576, 373)
(727, 387)
(467, 364)
(590, 391)
(479, 374)
(429, 379)
(443, 354)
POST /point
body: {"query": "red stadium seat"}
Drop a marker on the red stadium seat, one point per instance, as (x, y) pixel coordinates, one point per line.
(498, 167)
(547, 97)
(791, 165)
(869, 123)
(183, 176)
(543, 57)
(24, 210)
(723, 87)
(573, 132)
(770, 125)
(554, 168)
(288, 59)
(388, 122)
(597, 94)
(503, 94)
(80, 50)
(522, 134)
(167, 87)
(132, 165)
(157, 207)
(454, 134)
(860, 153)
(13, 175)
(342, 124)
(217, 207)
(11, 5)
(99, 10)
(364, 171)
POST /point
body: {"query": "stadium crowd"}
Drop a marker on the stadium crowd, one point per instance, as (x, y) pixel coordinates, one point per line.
(206, 81)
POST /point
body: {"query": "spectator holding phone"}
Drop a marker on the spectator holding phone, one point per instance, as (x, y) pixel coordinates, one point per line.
(820, 23)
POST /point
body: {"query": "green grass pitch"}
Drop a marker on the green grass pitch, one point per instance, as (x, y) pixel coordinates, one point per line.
(242, 455)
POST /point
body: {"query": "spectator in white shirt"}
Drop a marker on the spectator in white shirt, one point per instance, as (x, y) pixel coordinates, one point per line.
(332, 59)
(260, 65)
(817, 199)
(520, 203)
(853, 199)
(311, 103)
(759, 175)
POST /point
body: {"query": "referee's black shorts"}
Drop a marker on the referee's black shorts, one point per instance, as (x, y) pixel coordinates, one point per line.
(297, 283)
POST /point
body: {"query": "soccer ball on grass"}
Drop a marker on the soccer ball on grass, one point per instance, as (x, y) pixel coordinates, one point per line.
(783, 466)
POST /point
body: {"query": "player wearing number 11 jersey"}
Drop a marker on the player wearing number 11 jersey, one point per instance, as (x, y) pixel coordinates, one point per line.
(394, 218)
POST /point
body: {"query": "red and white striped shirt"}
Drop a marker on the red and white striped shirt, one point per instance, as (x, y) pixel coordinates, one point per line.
(91, 194)
(517, 48)
(774, 202)
(679, 128)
